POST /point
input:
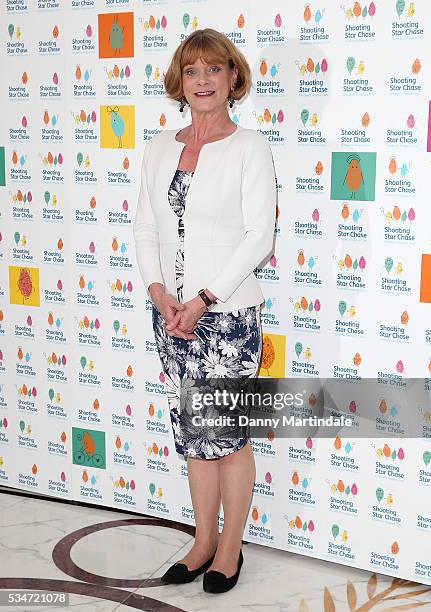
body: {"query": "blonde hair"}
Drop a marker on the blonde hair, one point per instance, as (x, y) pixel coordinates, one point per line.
(212, 47)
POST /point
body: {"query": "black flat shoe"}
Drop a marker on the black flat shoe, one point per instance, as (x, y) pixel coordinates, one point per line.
(216, 582)
(179, 573)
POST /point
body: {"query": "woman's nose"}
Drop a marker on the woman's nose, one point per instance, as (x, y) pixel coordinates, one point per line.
(202, 78)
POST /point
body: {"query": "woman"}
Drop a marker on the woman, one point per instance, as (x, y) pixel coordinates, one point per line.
(205, 220)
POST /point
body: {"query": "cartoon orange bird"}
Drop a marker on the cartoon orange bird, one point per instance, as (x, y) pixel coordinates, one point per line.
(353, 178)
(88, 444)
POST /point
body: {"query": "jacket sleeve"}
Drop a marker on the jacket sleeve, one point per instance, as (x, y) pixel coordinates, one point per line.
(146, 233)
(259, 200)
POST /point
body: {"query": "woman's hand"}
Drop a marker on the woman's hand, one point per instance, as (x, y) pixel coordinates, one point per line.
(169, 308)
(186, 319)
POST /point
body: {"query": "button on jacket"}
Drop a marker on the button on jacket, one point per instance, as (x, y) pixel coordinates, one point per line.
(229, 217)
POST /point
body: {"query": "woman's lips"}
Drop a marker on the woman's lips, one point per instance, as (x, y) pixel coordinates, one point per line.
(201, 95)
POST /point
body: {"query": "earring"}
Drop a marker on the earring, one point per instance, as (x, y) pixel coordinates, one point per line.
(182, 104)
(231, 99)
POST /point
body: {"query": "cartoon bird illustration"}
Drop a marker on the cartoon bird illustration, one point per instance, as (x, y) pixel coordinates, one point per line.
(307, 353)
(361, 68)
(91, 365)
(87, 161)
(411, 10)
(353, 178)
(88, 444)
(314, 119)
(399, 268)
(117, 123)
(116, 36)
(124, 329)
(348, 12)
(389, 499)
(352, 311)
(302, 68)
(357, 9)
(356, 215)
(18, 33)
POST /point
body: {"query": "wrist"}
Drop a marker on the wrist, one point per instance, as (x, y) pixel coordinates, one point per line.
(155, 290)
(208, 302)
(200, 304)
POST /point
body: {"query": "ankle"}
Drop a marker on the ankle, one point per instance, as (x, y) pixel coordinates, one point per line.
(206, 542)
(229, 546)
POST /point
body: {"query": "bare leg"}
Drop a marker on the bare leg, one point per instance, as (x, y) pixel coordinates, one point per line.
(237, 475)
(204, 486)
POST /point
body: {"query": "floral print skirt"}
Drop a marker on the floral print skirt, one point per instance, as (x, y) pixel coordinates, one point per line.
(229, 346)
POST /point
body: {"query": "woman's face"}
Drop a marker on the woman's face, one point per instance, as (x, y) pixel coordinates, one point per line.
(203, 78)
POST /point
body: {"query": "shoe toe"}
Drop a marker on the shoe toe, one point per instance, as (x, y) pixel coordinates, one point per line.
(214, 582)
(176, 574)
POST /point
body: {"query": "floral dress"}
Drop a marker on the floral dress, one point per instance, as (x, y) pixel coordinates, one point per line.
(228, 346)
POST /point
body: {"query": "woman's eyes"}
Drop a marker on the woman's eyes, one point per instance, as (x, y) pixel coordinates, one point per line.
(217, 69)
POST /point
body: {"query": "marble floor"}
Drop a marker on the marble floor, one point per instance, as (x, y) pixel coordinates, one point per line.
(107, 560)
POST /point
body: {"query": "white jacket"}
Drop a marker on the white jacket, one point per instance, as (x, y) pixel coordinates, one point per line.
(229, 217)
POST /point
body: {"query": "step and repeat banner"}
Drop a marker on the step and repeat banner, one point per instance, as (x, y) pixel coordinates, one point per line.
(342, 94)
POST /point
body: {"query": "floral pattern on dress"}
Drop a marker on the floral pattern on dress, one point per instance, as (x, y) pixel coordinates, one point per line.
(228, 346)
(177, 199)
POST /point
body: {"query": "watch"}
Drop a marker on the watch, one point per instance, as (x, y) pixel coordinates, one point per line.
(207, 301)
